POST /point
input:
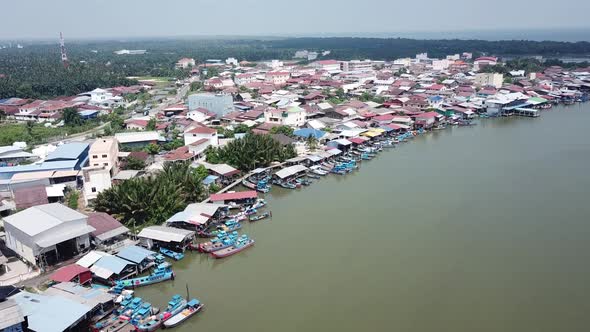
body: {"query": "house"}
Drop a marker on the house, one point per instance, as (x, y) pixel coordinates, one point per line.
(238, 197)
(185, 63)
(197, 216)
(27, 197)
(96, 180)
(165, 237)
(141, 257)
(219, 104)
(483, 61)
(139, 139)
(14, 154)
(97, 300)
(331, 66)
(243, 79)
(199, 115)
(109, 234)
(136, 124)
(435, 101)
(293, 116)
(104, 152)
(277, 77)
(46, 313)
(489, 79)
(225, 172)
(197, 133)
(109, 268)
(427, 119)
(46, 234)
(12, 318)
(76, 153)
(72, 273)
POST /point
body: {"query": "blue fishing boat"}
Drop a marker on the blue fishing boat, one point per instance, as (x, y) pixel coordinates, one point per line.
(228, 226)
(222, 241)
(193, 307)
(162, 272)
(172, 254)
(242, 243)
(260, 203)
(260, 216)
(152, 323)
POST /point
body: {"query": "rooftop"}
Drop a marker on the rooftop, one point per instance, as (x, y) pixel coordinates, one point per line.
(40, 218)
(70, 151)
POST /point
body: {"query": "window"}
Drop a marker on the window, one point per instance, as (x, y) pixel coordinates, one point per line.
(95, 157)
(95, 164)
(104, 155)
(93, 189)
(106, 164)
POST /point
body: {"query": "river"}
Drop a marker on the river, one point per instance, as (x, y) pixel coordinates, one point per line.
(480, 228)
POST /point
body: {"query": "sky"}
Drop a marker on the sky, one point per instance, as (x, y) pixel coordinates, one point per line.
(88, 19)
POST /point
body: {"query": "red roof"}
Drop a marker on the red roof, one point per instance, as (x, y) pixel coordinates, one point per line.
(102, 223)
(328, 62)
(487, 58)
(234, 196)
(69, 272)
(181, 153)
(202, 130)
(384, 118)
(357, 140)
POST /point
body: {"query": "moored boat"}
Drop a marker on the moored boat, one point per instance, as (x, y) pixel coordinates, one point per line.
(260, 216)
(172, 254)
(193, 307)
(222, 241)
(242, 243)
(162, 272)
(152, 323)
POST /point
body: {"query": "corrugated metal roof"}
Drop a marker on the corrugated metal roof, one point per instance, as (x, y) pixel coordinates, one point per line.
(289, 171)
(70, 151)
(135, 254)
(234, 195)
(40, 218)
(90, 297)
(49, 313)
(136, 137)
(10, 314)
(111, 263)
(46, 166)
(90, 258)
(165, 234)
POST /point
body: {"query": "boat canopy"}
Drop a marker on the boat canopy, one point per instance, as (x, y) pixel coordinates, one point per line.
(290, 171)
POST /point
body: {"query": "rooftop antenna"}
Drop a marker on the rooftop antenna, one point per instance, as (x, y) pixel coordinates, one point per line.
(64, 56)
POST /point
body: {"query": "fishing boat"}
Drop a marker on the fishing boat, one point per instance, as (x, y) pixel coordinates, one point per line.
(313, 176)
(242, 243)
(193, 307)
(318, 170)
(303, 182)
(248, 184)
(162, 272)
(172, 254)
(260, 203)
(152, 323)
(222, 241)
(260, 216)
(229, 226)
(143, 312)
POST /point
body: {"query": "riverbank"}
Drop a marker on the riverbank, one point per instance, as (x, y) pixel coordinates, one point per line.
(471, 228)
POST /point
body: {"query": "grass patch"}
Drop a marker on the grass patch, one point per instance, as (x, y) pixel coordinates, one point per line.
(72, 199)
(38, 133)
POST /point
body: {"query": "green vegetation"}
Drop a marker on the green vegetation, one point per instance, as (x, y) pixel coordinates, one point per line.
(251, 152)
(312, 142)
(173, 145)
(71, 117)
(285, 130)
(133, 163)
(72, 199)
(152, 149)
(152, 200)
(35, 133)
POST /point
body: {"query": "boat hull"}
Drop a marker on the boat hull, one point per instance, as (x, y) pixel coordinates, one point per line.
(183, 316)
(231, 251)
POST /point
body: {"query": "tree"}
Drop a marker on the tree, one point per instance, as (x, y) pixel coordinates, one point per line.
(152, 149)
(151, 125)
(133, 163)
(71, 117)
(196, 86)
(174, 144)
(147, 201)
(285, 130)
(242, 129)
(311, 142)
(251, 152)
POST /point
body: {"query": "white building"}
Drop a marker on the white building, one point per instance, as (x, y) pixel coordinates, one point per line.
(105, 152)
(439, 65)
(406, 62)
(199, 133)
(243, 79)
(46, 234)
(489, 79)
(422, 56)
(96, 180)
(293, 116)
(275, 64)
(357, 65)
(277, 77)
(185, 63)
(198, 115)
(327, 65)
(231, 61)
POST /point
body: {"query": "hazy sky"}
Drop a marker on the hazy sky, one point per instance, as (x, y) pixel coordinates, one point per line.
(138, 18)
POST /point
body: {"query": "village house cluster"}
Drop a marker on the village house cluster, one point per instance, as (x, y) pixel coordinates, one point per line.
(338, 103)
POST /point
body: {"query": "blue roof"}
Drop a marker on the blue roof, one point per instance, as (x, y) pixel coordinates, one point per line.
(71, 151)
(87, 112)
(387, 129)
(305, 132)
(135, 254)
(49, 313)
(46, 166)
(2, 101)
(435, 98)
(210, 179)
(112, 263)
